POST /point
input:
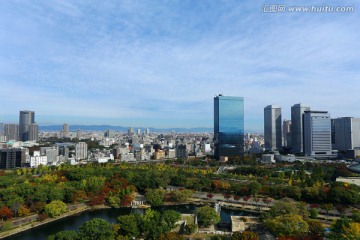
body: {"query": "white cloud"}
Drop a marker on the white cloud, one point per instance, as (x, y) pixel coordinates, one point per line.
(132, 59)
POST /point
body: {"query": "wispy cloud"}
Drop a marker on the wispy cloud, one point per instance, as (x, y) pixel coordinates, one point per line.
(160, 62)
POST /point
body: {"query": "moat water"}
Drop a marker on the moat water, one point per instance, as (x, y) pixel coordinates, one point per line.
(355, 168)
(73, 222)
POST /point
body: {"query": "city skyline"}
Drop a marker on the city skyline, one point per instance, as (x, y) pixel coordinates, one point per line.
(134, 63)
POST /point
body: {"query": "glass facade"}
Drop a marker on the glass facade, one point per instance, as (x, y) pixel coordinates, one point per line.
(26, 118)
(317, 133)
(272, 127)
(297, 133)
(228, 126)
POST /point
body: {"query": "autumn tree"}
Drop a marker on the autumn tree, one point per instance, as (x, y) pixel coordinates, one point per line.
(6, 213)
(236, 197)
(267, 201)
(316, 229)
(126, 200)
(352, 231)
(23, 211)
(227, 196)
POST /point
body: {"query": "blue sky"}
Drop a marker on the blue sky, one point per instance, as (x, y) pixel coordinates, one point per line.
(160, 63)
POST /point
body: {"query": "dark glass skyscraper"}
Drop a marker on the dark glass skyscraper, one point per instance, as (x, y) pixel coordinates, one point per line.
(27, 128)
(297, 127)
(228, 126)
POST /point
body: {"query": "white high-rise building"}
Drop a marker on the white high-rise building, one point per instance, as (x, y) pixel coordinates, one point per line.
(272, 127)
(79, 134)
(317, 133)
(297, 134)
(81, 150)
(66, 130)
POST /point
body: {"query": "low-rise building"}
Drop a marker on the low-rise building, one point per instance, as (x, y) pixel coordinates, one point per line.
(11, 158)
(268, 158)
(159, 154)
(37, 160)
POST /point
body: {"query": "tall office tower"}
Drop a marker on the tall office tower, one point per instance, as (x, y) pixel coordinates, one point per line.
(287, 133)
(26, 119)
(297, 133)
(11, 158)
(1, 129)
(109, 133)
(11, 131)
(139, 131)
(81, 150)
(34, 132)
(78, 134)
(346, 133)
(64, 151)
(131, 131)
(147, 131)
(66, 130)
(228, 126)
(317, 133)
(272, 127)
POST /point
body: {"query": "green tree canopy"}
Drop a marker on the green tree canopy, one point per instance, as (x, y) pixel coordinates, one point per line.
(96, 229)
(128, 225)
(170, 217)
(283, 207)
(287, 225)
(55, 208)
(254, 187)
(207, 216)
(246, 235)
(155, 197)
(64, 235)
(181, 195)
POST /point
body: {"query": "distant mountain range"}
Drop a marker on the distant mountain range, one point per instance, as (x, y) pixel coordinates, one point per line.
(53, 128)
